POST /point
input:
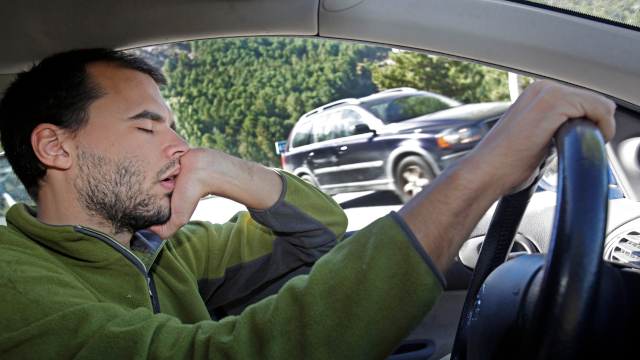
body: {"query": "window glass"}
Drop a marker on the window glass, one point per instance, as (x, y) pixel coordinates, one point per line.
(616, 11)
(324, 127)
(11, 189)
(351, 118)
(408, 107)
(301, 137)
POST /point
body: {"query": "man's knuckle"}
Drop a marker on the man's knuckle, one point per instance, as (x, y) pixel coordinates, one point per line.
(548, 96)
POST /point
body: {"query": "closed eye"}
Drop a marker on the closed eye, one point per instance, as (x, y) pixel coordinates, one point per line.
(146, 130)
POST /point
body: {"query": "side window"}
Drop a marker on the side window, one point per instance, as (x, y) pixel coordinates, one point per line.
(408, 107)
(301, 137)
(324, 127)
(351, 118)
(11, 189)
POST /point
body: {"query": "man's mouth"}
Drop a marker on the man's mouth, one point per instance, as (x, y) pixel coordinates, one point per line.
(169, 182)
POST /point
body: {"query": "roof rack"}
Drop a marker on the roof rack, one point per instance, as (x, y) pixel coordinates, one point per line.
(339, 102)
(330, 105)
(400, 89)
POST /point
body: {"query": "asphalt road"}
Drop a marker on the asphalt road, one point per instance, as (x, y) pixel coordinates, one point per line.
(361, 208)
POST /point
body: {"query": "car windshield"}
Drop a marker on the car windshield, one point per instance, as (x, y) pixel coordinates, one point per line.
(408, 107)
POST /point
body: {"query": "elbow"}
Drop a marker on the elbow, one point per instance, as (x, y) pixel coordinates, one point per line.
(341, 223)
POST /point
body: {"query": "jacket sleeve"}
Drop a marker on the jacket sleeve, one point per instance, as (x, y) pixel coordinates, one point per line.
(359, 302)
(232, 259)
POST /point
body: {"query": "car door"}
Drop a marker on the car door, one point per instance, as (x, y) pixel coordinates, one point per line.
(360, 157)
(323, 156)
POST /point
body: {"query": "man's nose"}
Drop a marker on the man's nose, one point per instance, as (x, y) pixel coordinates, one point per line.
(177, 146)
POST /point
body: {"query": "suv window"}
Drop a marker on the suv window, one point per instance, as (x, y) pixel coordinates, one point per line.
(408, 107)
(351, 118)
(324, 127)
(301, 136)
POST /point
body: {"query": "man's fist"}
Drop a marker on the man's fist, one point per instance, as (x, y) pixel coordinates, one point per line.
(517, 144)
(205, 172)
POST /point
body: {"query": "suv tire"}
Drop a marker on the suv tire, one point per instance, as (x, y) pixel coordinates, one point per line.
(411, 176)
(308, 179)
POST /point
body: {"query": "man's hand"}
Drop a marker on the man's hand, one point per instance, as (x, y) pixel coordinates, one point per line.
(516, 146)
(444, 214)
(209, 172)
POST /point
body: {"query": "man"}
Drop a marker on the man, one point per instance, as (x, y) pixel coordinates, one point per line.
(92, 140)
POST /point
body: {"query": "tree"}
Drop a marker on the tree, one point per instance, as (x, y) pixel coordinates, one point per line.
(456, 79)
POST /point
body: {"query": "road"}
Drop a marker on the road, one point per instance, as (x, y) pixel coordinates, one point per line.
(361, 208)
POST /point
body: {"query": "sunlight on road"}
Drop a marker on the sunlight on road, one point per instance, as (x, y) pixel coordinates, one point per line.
(362, 208)
(216, 210)
(361, 217)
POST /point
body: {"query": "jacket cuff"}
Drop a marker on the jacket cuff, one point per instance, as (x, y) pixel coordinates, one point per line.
(418, 248)
(280, 199)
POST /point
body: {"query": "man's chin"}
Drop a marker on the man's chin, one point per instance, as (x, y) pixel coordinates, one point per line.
(162, 215)
(159, 217)
(163, 218)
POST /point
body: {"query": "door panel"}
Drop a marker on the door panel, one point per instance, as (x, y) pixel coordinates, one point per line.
(360, 157)
(323, 157)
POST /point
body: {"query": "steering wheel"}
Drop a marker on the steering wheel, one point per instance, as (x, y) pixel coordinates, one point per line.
(544, 310)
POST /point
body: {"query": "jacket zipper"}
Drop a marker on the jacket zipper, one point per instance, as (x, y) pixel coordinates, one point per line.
(129, 256)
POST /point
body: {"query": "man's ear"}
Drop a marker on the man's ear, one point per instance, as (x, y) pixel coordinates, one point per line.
(52, 146)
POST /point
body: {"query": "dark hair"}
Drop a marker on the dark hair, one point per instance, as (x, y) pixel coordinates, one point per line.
(58, 91)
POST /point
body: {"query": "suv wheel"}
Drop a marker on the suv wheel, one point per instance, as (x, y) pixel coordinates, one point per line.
(308, 179)
(411, 176)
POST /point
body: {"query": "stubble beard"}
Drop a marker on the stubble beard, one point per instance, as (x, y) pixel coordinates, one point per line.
(113, 190)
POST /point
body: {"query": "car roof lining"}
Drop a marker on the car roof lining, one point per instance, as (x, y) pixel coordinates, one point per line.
(497, 33)
(33, 29)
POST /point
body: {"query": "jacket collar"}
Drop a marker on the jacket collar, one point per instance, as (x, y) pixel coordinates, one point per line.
(68, 240)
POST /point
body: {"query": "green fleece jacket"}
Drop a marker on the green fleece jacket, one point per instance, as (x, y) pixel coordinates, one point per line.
(72, 292)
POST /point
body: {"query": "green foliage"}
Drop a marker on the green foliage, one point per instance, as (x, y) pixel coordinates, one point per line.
(242, 95)
(463, 81)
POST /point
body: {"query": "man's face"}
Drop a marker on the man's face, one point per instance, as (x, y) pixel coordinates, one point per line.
(128, 153)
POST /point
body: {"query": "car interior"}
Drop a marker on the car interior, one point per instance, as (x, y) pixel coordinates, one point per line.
(540, 39)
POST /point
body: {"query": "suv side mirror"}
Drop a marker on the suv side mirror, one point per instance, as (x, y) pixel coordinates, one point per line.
(363, 129)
